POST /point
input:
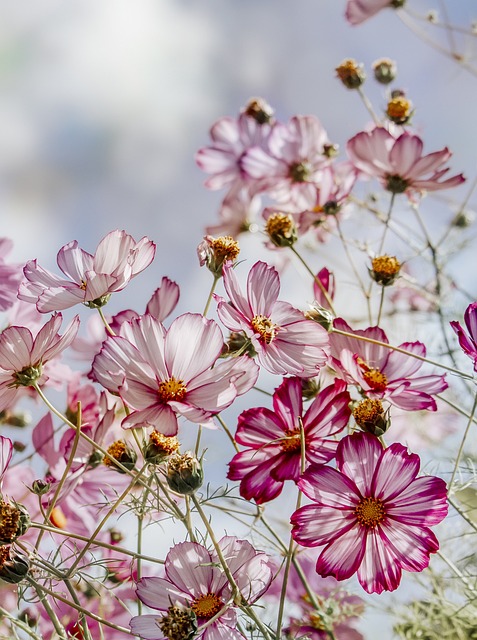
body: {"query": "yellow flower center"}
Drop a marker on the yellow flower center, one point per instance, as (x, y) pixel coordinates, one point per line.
(398, 109)
(376, 380)
(292, 440)
(370, 512)
(265, 327)
(58, 518)
(9, 519)
(206, 605)
(384, 269)
(281, 223)
(225, 248)
(170, 390)
(350, 73)
(166, 444)
(368, 411)
(116, 451)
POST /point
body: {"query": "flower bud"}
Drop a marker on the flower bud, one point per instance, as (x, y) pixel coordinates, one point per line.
(399, 109)
(14, 565)
(14, 521)
(121, 452)
(180, 623)
(237, 345)
(351, 73)
(281, 229)
(384, 269)
(115, 536)
(463, 219)
(40, 487)
(371, 417)
(384, 70)
(215, 252)
(184, 473)
(15, 419)
(160, 447)
(321, 315)
(259, 110)
(309, 388)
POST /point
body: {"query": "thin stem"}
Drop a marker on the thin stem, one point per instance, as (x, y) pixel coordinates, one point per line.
(41, 592)
(211, 293)
(381, 304)
(316, 279)
(105, 322)
(228, 433)
(461, 448)
(368, 106)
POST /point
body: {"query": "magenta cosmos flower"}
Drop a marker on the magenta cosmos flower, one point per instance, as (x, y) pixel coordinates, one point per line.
(195, 583)
(398, 162)
(23, 355)
(468, 341)
(284, 340)
(163, 373)
(373, 513)
(92, 278)
(274, 441)
(383, 373)
(290, 168)
(357, 11)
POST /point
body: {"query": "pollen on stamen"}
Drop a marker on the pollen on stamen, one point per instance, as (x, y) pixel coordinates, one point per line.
(370, 512)
(171, 390)
(206, 605)
(281, 229)
(385, 269)
(291, 441)
(265, 327)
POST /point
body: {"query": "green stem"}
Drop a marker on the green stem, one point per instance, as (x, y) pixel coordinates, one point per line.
(461, 448)
(105, 322)
(211, 293)
(317, 280)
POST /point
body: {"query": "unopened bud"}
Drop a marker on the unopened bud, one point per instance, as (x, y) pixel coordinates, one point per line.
(121, 452)
(351, 73)
(463, 219)
(160, 447)
(309, 388)
(14, 565)
(184, 473)
(384, 70)
(371, 417)
(115, 536)
(384, 269)
(281, 229)
(215, 252)
(259, 110)
(321, 315)
(40, 487)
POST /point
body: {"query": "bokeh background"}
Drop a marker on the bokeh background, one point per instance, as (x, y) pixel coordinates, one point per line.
(103, 104)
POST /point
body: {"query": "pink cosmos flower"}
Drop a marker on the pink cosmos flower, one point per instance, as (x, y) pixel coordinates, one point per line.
(195, 582)
(398, 161)
(468, 341)
(238, 213)
(231, 137)
(373, 513)
(23, 356)
(383, 373)
(290, 168)
(92, 278)
(285, 342)
(274, 441)
(163, 373)
(10, 276)
(6, 450)
(357, 11)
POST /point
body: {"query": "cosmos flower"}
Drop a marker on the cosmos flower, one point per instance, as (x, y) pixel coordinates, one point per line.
(468, 341)
(274, 441)
(92, 278)
(194, 589)
(284, 340)
(23, 355)
(372, 512)
(383, 373)
(398, 161)
(357, 11)
(10, 276)
(163, 373)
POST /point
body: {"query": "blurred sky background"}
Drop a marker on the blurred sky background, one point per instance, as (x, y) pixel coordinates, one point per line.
(103, 104)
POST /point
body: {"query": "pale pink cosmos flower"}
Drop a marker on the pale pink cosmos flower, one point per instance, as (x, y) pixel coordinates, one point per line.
(468, 341)
(163, 373)
(238, 213)
(6, 450)
(10, 276)
(92, 278)
(372, 512)
(194, 581)
(23, 356)
(284, 340)
(290, 168)
(398, 161)
(383, 373)
(273, 438)
(357, 11)
(231, 137)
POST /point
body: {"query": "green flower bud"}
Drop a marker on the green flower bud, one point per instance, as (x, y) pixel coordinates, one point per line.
(184, 473)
